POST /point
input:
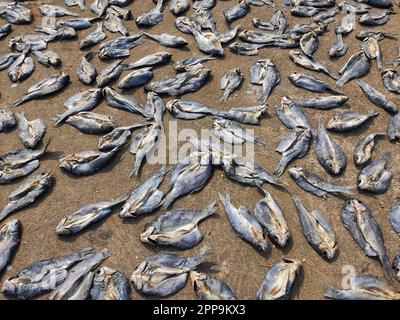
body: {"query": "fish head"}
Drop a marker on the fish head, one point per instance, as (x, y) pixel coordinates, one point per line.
(328, 250)
(172, 104)
(280, 238)
(136, 276)
(145, 236)
(9, 287)
(13, 226)
(295, 172)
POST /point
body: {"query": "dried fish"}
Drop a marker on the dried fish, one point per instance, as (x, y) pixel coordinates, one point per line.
(27, 193)
(30, 132)
(244, 224)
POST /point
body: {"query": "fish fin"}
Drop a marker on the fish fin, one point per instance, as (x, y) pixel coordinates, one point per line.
(21, 100)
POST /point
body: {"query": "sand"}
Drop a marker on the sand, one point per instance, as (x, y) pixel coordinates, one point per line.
(239, 264)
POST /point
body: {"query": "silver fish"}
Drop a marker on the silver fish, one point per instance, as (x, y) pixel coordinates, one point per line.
(82, 101)
(309, 43)
(9, 174)
(305, 11)
(364, 229)
(358, 65)
(98, 7)
(167, 40)
(109, 74)
(376, 18)
(72, 3)
(317, 230)
(309, 63)
(190, 81)
(372, 49)
(329, 154)
(189, 110)
(122, 102)
(245, 115)
(230, 82)
(151, 60)
(110, 284)
(338, 48)
(364, 147)
(93, 38)
(391, 80)
(125, 14)
(377, 97)
(76, 23)
(279, 280)
(348, 21)
(92, 123)
(187, 63)
(44, 88)
(374, 177)
(291, 116)
(86, 72)
(264, 72)
(6, 59)
(231, 132)
(315, 185)
(270, 216)
(208, 288)
(310, 83)
(178, 7)
(394, 216)
(394, 128)
(205, 19)
(244, 224)
(236, 12)
(363, 287)
(208, 43)
(50, 10)
(39, 278)
(245, 49)
(114, 23)
(18, 14)
(152, 17)
(19, 157)
(86, 216)
(117, 137)
(143, 145)
(177, 228)
(204, 4)
(7, 120)
(155, 108)
(322, 103)
(47, 58)
(78, 281)
(164, 274)
(27, 193)
(244, 171)
(190, 175)
(10, 237)
(294, 146)
(87, 162)
(136, 78)
(30, 132)
(146, 197)
(21, 68)
(349, 120)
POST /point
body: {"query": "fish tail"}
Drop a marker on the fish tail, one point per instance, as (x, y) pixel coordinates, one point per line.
(373, 113)
(341, 82)
(280, 167)
(201, 257)
(330, 293)
(167, 201)
(224, 97)
(85, 253)
(225, 199)
(387, 268)
(260, 143)
(211, 209)
(21, 100)
(347, 190)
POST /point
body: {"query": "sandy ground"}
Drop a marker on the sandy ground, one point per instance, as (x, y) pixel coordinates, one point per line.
(240, 265)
